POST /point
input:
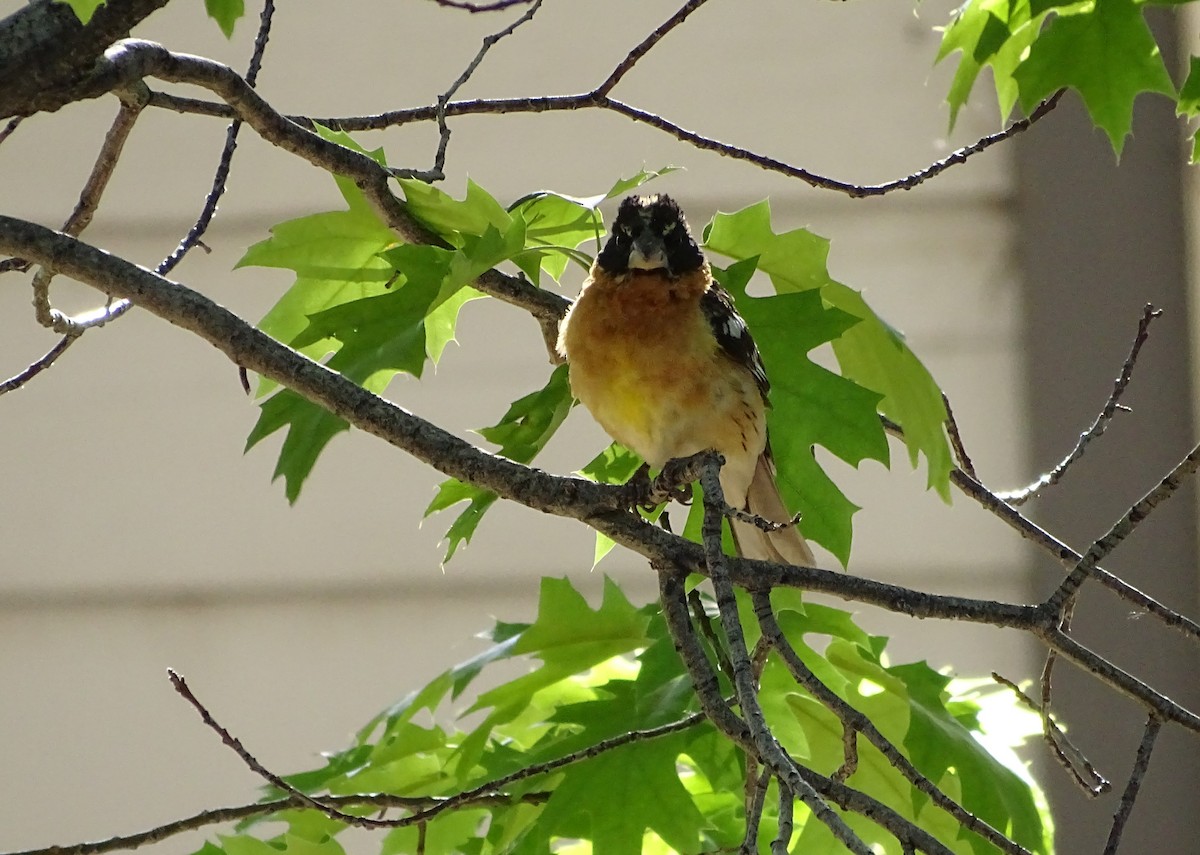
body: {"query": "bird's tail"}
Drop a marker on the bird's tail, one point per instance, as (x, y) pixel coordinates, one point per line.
(785, 546)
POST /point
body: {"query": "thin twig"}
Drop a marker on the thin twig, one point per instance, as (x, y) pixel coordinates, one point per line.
(1069, 756)
(787, 804)
(215, 816)
(754, 809)
(956, 443)
(221, 176)
(36, 368)
(1111, 406)
(591, 100)
(439, 161)
(494, 6)
(1061, 747)
(704, 622)
(1136, 775)
(10, 128)
(645, 46)
(849, 753)
(1124, 527)
(1063, 553)
(81, 218)
(326, 806)
(258, 768)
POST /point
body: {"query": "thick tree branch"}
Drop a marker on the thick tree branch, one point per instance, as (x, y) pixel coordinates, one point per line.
(258, 352)
(45, 52)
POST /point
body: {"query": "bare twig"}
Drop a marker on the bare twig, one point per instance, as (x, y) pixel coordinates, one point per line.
(439, 161)
(702, 620)
(258, 768)
(132, 60)
(89, 200)
(1064, 554)
(215, 816)
(10, 128)
(956, 443)
(754, 809)
(494, 6)
(1061, 748)
(645, 46)
(221, 177)
(597, 100)
(849, 753)
(1136, 775)
(1024, 494)
(787, 803)
(1124, 527)
(426, 808)
(36, 368)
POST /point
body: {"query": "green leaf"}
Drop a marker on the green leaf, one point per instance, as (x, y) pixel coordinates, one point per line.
(84, 9)
(939, 744)
(809, 404)
(309, 430)
(870, 352)
(602, 801)
(452, 218)
(1103, 49)
(614, 465)
(1189, 102)
(569, 636)
(991, 33)
(379, 337)
(1189, 93)
(335, 258)
(448, 832)
(521, 434)
(557, 224)
(585, 674)
(225, 13)
(377, 307)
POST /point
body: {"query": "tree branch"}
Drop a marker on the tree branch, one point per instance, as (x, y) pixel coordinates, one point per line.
(591, 100)
(854, 721)
(1049, 479)
(1136, 775)
(46, 53)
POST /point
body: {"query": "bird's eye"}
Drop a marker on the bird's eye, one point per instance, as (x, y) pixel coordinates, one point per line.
(668, 227)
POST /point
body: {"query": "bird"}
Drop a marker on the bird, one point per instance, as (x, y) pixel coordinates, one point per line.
(660, 357)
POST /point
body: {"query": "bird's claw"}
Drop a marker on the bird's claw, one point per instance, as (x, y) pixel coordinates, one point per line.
(647, 494)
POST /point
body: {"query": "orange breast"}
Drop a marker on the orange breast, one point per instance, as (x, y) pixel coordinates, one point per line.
(647, 366)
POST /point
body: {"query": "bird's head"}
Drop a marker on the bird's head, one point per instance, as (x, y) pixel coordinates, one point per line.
(651, 235)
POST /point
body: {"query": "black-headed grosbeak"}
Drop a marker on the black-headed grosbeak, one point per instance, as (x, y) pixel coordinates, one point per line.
(666, 365)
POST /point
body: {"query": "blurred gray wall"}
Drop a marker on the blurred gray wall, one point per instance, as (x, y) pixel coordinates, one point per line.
(136, 535)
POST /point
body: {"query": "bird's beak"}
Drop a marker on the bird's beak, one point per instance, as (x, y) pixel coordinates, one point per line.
(647, 253)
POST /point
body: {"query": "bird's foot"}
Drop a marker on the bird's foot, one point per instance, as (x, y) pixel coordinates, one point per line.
(646, 493)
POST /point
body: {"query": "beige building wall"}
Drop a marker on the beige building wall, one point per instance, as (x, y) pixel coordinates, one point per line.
(136, 535)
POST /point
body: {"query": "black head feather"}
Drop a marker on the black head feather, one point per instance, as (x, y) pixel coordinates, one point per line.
(650, 233)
